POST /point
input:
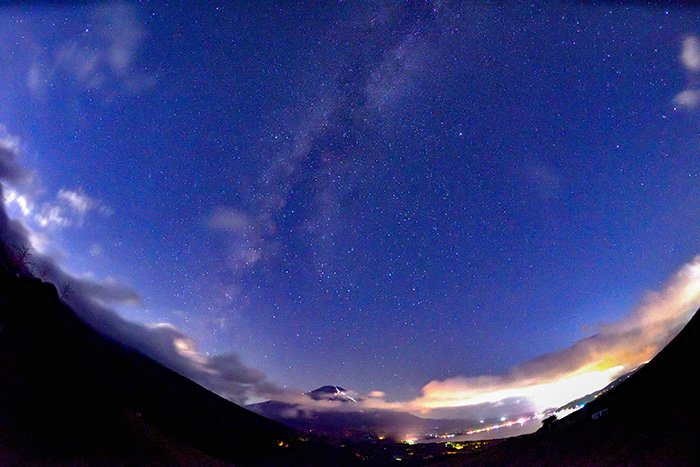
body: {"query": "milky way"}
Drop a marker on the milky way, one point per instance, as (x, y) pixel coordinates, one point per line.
(417, 200)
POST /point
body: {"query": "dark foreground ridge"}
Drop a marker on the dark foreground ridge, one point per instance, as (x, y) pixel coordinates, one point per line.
(652, 418)
(72, 396)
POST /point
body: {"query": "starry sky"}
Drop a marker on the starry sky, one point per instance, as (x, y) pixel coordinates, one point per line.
(375, 195)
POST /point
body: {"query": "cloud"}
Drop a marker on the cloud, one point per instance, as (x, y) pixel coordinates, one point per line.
(80, 202)
(91, 299)
(689, 98)
(107, 292)
(226, 375)
(309, 131)
(52, 215)
(247, 239)
(10, 152)
(305, 148)
(553, 379)
(102, 58)
(590, 364)
(690, 53)
(21, 201)
(660, 312)
(231, 220)
(307, 406)
(249, 234)
(69, 208)
(16, 233)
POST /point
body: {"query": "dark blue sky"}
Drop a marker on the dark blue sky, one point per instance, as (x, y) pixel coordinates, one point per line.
(368, 195)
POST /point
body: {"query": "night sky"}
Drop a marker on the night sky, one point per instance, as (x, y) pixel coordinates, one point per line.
(374, 195)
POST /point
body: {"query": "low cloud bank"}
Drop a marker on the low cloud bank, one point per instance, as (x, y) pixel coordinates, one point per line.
(225, 374)
(553, 379)
(590, 364)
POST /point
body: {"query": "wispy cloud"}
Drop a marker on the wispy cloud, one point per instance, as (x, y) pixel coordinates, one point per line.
(68, 209)
(103, 57)
(91, 299)
(78, 201)
(690, 53)
(52, 215)
(10, 151)
(248, 232)
(689, 98)
(246, 235)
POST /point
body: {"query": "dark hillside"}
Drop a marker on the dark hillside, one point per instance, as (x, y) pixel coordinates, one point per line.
(649, 419)
(71, 395)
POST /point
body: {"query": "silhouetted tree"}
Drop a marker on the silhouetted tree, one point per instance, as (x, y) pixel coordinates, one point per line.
(22, 258)
(42, 271)
(66, 292)
(547, 422)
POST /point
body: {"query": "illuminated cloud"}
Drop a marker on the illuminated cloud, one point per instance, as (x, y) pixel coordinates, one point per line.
(69, 209)
(91, 299)
(79, 201)
(590, 364)
(226, 374)
(557, 378)
(22, 202)
(52, 215)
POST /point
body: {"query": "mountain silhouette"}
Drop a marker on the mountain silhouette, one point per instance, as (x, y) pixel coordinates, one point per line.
(347, 419)
(332, 393)
(69, 395)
